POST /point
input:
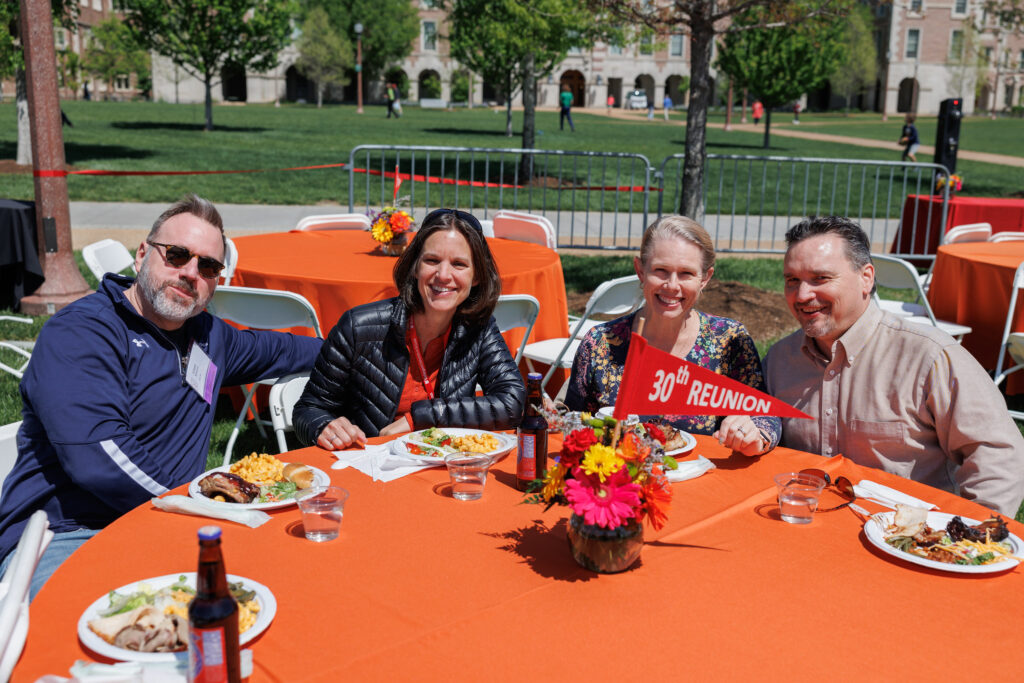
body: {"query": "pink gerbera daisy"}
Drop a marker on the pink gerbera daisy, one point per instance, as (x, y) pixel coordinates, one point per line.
(608, 504)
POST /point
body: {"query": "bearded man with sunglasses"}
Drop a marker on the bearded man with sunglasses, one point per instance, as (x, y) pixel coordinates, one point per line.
(883, 392)
(119, 397)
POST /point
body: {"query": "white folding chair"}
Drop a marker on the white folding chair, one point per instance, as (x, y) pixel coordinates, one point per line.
(1007, 236)
(337, 221)
(107, 256)
(895, 273)
(260, 309)
(283, 397)
(22, 349)
(525, 227)
(614, 297)
(8, 450)
(971, 232)
(15, 589)
(1012, 342)
(230, 261)
(517, 310)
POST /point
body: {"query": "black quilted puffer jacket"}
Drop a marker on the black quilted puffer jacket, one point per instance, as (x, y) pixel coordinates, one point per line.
(364, 363)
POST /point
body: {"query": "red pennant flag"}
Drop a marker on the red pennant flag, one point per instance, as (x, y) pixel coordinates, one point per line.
(398, 184)
(658, 383)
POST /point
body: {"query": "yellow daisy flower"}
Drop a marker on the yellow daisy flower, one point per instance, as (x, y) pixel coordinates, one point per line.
(381, 231)
(602, 461)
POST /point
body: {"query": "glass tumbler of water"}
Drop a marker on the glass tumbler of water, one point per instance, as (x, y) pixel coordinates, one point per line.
(798, 496)
(322, 508)
(468, 472)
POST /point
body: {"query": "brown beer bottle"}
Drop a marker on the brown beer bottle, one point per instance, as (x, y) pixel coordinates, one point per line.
(212, 618)
(532, 436)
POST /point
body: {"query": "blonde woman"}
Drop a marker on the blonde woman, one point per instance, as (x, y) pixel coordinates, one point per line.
(676, 262)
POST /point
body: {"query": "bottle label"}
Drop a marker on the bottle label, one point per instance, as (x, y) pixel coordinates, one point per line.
(207, 660)
(526, 465)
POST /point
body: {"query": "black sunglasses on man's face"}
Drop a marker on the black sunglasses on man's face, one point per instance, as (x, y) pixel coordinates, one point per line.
(180, 256)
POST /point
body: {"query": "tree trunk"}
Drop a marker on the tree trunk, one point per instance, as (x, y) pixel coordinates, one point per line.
(508, 107)
(24, 155)
(701, 39)
(728, 108)
(529, 118)
(767, 126)
(208, 83)
(319, 95)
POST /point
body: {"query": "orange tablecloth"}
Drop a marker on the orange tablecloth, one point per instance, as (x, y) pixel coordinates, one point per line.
(971, 286)
(339, 269)
(423, 587)
(920, 230)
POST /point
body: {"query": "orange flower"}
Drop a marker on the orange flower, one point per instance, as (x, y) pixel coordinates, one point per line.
(399, 221)
(631, 450)
(657, 497)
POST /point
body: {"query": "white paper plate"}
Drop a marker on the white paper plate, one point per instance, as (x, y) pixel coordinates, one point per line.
(399, 446)
(874, 529)
(689, 443)
(320, 478)
(268, 608)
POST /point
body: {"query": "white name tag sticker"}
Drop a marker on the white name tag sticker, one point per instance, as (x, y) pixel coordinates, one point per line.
(201, 373)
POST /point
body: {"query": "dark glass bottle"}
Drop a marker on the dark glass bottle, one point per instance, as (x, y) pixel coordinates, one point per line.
(532, 457)
(212, 618)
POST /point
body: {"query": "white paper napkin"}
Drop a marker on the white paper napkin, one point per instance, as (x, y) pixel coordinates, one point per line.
(379, 463)
(690, 469)
(187, 505)
(889, 497)
(137, 672)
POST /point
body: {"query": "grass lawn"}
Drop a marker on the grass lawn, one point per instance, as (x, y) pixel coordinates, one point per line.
(155, 136)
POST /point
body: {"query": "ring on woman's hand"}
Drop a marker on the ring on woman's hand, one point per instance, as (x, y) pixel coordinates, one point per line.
(739, 430)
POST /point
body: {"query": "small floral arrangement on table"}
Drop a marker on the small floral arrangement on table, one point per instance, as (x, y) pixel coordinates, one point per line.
(612, 482)
(391, 226)
(955, 183)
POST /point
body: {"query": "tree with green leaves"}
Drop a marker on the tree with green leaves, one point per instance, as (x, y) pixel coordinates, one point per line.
(859, 67)
(12, 61)
(325, 55)
(389, 29)
(113, 51)
(201, 36)
(515, 42)
(704, 20)
(779, 64)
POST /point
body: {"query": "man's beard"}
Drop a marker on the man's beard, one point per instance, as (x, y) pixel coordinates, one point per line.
(167, 305)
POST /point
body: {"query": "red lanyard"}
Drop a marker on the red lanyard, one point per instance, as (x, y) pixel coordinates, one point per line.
(418, 357)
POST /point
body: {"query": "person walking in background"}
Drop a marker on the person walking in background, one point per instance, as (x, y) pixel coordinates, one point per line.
(667, 105)
(565, 99)
(908, 137)
(758, 111)
(650, 108)
(392, 96)
(796, 113)
(611, 103)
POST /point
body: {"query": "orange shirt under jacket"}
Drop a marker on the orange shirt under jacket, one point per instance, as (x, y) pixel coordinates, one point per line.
(413, 390)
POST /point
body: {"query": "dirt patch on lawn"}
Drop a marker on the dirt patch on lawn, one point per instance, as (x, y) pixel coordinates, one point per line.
(9, 166)
(765, 314)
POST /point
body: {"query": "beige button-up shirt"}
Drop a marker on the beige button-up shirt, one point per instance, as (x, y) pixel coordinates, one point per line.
(906, 399)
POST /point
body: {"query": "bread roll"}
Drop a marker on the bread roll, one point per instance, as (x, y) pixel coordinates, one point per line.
(299, 473)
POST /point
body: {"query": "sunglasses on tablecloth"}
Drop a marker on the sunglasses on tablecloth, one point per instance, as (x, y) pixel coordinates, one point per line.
(842, 485)
(180, 256)
(464, 216)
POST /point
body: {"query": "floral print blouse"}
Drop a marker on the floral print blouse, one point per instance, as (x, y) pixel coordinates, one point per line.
(722, 345)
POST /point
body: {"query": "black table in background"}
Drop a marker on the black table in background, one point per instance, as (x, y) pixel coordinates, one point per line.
(20, 272)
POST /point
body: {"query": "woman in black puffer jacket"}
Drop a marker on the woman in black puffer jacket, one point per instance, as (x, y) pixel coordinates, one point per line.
(414, 361)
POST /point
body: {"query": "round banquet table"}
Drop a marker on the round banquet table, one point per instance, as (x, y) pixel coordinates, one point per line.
(338, 269)
(421, 586)
(971, 286)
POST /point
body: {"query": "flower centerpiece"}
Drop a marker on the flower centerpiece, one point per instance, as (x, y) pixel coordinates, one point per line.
(391, 227)
(613, 483)
(954, 181)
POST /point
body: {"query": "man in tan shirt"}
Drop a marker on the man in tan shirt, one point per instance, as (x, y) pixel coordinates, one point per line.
(883, 392)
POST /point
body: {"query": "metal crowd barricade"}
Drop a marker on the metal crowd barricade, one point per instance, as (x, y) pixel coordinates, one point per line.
(750, 201)
(596, 200)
